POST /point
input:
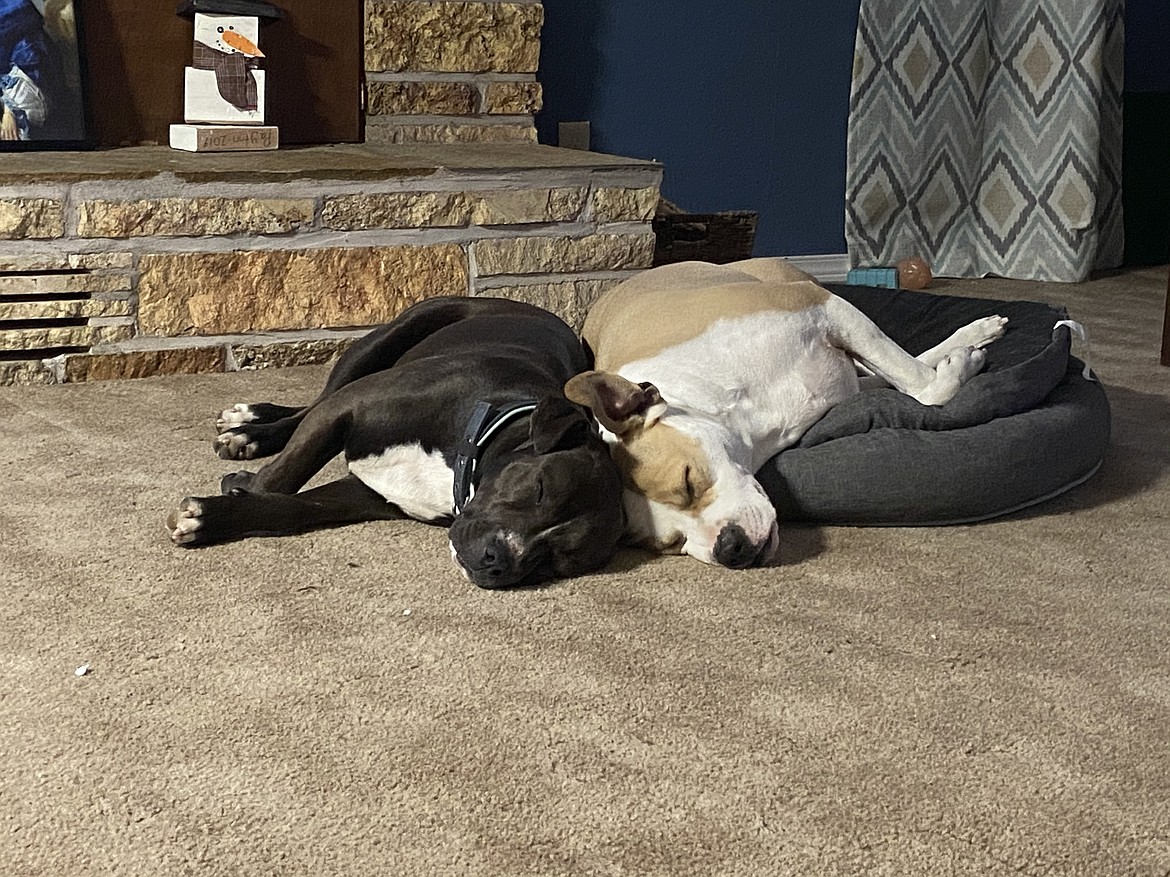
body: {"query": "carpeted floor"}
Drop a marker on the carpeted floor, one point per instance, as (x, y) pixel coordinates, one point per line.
(983, 700)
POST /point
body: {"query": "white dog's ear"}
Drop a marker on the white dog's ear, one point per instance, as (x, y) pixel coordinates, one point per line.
(619, 405)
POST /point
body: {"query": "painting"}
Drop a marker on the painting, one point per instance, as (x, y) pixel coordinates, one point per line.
(41, 87)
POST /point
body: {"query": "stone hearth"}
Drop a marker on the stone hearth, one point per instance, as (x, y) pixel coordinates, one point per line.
(147, 260)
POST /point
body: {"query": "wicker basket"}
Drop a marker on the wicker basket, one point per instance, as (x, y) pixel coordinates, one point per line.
(705, 237)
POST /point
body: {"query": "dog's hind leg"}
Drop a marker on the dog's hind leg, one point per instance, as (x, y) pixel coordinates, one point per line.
(206, 520)
(930, 383)
(978, 333)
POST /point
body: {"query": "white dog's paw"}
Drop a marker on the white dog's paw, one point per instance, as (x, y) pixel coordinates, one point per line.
(961, 365)
(954, 370)
(185, 522)
(237, 415)
(981, 332)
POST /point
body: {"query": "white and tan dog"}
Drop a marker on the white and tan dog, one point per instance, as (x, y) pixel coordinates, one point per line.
(706, 371)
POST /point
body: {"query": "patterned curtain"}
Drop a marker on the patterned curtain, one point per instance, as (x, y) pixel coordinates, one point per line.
(985, 136)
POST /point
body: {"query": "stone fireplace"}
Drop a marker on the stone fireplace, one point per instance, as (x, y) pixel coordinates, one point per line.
(143, 260)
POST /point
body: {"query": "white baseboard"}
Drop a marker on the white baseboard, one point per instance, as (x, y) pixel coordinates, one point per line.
(830, 268)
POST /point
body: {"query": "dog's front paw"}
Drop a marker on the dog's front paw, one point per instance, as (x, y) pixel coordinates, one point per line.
(234, 444)
(237, 415)
(235, 483)
(185, 523)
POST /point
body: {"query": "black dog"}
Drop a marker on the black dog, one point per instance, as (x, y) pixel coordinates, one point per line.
(454, 412)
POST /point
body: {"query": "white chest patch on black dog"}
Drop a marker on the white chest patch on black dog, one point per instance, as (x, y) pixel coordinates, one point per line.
(418, 482)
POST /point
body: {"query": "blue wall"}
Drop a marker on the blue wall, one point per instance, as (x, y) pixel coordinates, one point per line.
(744, 101)
(1147, 55)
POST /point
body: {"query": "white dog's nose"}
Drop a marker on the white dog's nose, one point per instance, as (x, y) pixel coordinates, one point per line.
(734, 549)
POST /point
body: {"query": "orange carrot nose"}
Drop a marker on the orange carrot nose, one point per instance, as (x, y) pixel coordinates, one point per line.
(242, 44)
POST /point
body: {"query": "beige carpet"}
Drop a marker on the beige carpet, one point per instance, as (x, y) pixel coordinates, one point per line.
(985, 700)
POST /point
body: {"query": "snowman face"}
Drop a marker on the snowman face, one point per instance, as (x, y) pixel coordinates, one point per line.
(211, 29)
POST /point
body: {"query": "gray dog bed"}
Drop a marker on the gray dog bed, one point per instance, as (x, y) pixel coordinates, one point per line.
(1027, 428)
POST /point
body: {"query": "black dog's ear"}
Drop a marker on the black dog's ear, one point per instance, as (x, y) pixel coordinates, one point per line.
(558, 425)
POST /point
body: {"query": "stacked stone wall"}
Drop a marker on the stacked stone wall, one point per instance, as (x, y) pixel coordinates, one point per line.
(123, 278)
(452, 70)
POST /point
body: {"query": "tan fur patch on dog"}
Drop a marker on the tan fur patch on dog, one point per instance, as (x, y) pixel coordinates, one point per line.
(628, 325)
(661, 462)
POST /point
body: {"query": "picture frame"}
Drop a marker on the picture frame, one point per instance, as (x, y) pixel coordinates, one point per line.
(42, 87)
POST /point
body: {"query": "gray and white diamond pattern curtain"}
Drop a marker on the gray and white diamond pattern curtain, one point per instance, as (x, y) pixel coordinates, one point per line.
(985, 136)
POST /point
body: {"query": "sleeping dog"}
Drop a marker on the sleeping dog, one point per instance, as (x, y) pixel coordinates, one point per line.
(706, 371)
(454, 412)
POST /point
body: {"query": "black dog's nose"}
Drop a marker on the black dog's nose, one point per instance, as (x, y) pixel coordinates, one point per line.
(494, 563)
(734, 549)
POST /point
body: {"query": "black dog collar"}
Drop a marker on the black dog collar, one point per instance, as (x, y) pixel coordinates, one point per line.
(485, 421)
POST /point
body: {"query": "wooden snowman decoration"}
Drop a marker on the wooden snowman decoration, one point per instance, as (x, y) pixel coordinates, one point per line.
(224, 88)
